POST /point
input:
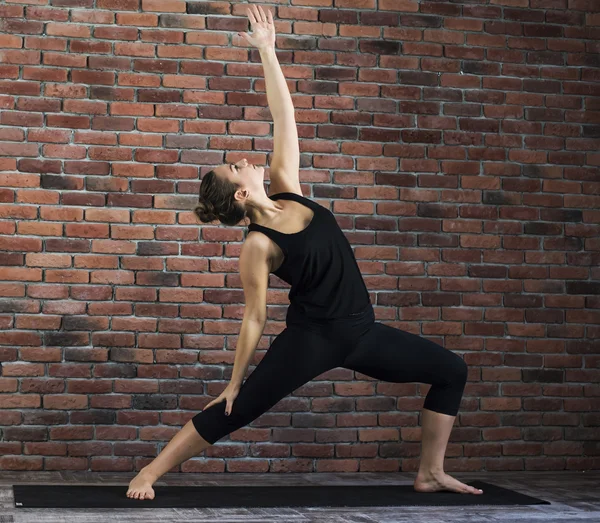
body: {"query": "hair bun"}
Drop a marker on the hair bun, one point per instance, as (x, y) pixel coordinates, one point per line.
(206, 211)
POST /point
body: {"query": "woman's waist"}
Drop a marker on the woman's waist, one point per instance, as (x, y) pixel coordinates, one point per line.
(298, 313)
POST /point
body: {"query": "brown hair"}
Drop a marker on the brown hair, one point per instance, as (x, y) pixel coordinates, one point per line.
(217, 201)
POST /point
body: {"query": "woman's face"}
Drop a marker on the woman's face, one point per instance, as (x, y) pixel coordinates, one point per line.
(244, 174)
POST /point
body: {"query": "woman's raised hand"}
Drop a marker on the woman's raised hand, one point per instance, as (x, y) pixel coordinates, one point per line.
(263, 28)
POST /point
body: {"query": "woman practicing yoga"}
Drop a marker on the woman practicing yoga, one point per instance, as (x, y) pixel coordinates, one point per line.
(330, 321)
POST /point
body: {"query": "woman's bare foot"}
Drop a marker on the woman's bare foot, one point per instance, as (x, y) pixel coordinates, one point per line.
(442, 481)
(141, 486)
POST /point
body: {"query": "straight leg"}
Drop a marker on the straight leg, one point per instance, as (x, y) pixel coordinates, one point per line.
(186, 444)
(295, 357)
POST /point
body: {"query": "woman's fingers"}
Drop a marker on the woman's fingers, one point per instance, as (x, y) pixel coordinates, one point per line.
(256, 13)
(270, 16)
(251, 15)
(262, 14)
(219, 399)
(259, 13)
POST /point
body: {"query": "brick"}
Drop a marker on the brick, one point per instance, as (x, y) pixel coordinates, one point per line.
(9, 71)
(118, 5)
(86, 167)
(66, 276)
(156, 156)
(139, 139)
(59, 214)
(45, 43)
(113, 277)
(20, 57)
(156, 249)
(116, 33)
(189, 21)
(185, 82)
(36, 229)
(86, 107)
(138, 80)
(10, 273)
(135, 170)
(176, 111)
(11, 11)
(7, 196)
(66, 245)
(41, 74)
(92, 17)
(106, 62)
(163, 37)
(18, 149)
(48, 260)
(157, 125)
(63, 151)
(165, 217)
(37, 104)
(20, 88)
(72, 122)
(87, 230)
(95, 138)
(22, 26)
(158, 95)
(155, 66)
(161, 279)
(39, 166)
(93, 77)
(170, 51)
(134, 49)
(69, 30)
(105, 185)
(10, 134)
(164, 6)
(60, 60)
(115, 339)
(111, 123)
(135, 19)
(110, 153)
(180, 295)
(49, 181)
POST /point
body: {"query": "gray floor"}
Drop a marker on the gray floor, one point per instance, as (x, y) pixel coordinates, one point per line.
(574, 496)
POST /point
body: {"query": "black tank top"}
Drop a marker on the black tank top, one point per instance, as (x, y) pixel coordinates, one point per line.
(319, 264)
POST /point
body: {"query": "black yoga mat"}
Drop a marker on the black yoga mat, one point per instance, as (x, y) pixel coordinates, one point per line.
(112, 496)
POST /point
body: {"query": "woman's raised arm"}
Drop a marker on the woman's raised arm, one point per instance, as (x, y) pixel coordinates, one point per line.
(285, 165)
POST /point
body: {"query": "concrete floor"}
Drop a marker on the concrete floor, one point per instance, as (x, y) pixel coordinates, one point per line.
(574, 497)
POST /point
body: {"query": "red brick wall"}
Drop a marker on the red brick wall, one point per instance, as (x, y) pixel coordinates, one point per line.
(456, 142)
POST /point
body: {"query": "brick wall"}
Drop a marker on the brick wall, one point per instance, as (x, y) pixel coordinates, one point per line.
(457, 143)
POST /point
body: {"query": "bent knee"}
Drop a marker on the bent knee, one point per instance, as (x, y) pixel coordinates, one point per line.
(460, 370)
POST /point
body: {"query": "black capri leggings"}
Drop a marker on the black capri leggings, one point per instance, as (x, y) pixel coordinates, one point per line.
(306, 349)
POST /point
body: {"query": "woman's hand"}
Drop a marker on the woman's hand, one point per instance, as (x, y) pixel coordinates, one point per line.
(263, 28)
(229, 394)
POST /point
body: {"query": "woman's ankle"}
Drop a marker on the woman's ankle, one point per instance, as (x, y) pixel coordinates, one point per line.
(430, 472)
(148, 473)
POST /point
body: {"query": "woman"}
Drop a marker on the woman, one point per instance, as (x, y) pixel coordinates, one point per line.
(330, 321)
